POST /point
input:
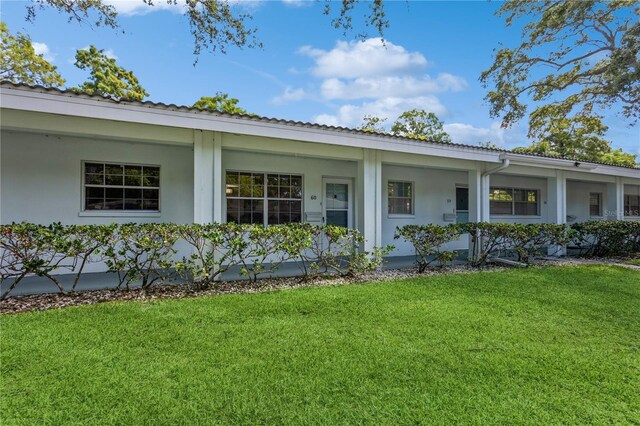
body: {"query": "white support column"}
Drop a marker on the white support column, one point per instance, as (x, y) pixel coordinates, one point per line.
(475, 195)
(370, 198)
(557, 206)
(203, 167)
(485, 205)
(615, 200)
(1, 222)
(557, 198)
(218, 178)
(478, 193)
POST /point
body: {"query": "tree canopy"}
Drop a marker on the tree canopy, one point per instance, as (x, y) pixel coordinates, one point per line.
(221, 102)
(216, 25)
(419, 124)
(580, 54)
(372, 124)
(106, 77)
(19, 62)
(575, 58)
(580, 137)
(415, 124)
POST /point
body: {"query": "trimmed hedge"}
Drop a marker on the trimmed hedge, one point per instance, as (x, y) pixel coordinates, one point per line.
(428, 240)
(148, 253)
(520, 241)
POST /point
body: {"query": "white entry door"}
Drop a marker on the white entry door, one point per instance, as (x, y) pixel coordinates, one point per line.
(337, 202)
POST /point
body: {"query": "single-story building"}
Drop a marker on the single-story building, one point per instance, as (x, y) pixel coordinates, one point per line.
(81, 159)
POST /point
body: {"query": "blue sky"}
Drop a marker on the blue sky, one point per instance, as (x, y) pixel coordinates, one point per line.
(307, 70)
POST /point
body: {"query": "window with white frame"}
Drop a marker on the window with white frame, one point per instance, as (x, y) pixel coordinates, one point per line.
(400, 197)
(632, 200)
(514, 201)
(120, 186)
(595, 204)
(267, 198)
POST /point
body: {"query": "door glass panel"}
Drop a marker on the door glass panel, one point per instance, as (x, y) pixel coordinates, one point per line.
(338, 218)
(337, 204)
(462, 198)
(462, 205)
(337, 196)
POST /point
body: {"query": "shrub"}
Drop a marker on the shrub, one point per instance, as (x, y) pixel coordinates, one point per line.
(146, 252)
(87, 244)
(491, 240)
(212, 253)
(33, 249)
(335, 251)
(261, 246)
(142, 252)
(607, 238)
(488, 240)
(529, 240)
(428, 240)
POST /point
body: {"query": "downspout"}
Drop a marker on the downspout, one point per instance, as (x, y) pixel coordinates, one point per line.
(504, 165)
(483, 183)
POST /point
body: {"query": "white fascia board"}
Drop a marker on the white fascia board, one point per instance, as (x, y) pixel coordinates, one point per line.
(94, 108)
(404, 159)
(570, 165)
(38, 122)
(631, 181)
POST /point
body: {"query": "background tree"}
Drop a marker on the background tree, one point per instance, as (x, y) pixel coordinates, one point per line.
(419, 124)
(19, 62)
(580, 137)
(215, 24)
(106, 77)
(221, 102)
(488, 145)
(583, 53)
(372, 124)
(575, 57)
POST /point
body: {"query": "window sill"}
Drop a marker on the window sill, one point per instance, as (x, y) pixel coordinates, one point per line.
(401, 216)
(513, 216)
(106, 213)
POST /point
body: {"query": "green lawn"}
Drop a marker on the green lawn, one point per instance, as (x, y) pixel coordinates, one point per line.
(537, 346)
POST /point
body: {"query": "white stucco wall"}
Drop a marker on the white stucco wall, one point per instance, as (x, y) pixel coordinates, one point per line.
(42, 177)
(434, 195)
(578, 199)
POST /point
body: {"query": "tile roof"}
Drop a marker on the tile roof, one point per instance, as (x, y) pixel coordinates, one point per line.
(264, 119)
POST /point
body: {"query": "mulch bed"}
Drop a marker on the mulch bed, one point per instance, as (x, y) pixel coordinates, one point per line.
(42, 302)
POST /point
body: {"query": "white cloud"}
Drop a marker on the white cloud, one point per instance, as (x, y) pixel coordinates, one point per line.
(351, 115)
(388, 86)
(471, 135)
(289, 95)
(298, 3)
(375, 78)
(365, 58)
(138, 7)
(109, 54)
(43, 49)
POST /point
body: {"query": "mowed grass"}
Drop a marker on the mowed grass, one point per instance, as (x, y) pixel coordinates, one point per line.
(538, 346)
